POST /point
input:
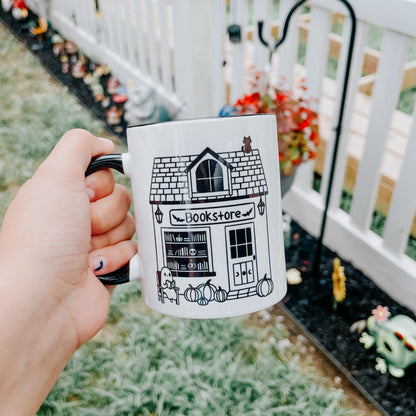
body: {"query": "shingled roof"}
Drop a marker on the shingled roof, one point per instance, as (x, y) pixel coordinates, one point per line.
(170, 177)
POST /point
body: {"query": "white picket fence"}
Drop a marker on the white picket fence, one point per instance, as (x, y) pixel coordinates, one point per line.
(181, 49)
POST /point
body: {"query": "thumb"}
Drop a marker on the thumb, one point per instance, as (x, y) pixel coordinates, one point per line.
(73, 153)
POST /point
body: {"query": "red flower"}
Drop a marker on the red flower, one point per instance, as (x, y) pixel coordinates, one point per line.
(248, 99)
(281, 98)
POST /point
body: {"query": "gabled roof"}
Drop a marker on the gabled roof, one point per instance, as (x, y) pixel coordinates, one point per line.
(170, 177)
(213, 154)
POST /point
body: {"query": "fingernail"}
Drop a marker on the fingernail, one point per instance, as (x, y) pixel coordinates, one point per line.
(105, 140)
(90, 193)
(97, 263)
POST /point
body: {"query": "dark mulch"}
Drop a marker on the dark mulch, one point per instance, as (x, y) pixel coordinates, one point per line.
(309, 303)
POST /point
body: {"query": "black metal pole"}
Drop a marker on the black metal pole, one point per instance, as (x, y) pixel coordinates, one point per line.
(338, 131)
(338, 128)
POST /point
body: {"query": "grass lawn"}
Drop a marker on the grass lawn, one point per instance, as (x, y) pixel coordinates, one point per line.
(142, 363)
(146, 364)
(34, 114)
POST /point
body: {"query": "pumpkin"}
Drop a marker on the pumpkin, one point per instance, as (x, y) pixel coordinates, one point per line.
(203, 301)
(207, 290)
(192, 294)
(264, 286)
(221, 295)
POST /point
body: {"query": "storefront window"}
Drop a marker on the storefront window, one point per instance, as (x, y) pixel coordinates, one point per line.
(188, 253)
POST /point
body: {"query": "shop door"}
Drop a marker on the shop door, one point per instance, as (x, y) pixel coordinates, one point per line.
(241, 256)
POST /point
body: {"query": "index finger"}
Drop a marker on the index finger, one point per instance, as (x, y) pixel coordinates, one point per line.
(73, 153)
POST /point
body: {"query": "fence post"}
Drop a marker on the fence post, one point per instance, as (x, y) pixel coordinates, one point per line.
(192, 56)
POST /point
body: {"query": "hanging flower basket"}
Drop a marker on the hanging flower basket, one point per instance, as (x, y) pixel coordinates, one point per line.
(297, 123)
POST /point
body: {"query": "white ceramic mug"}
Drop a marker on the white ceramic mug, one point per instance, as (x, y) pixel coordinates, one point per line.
(206, 196)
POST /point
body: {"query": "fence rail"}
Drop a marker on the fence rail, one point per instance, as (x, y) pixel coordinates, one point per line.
(181, 49)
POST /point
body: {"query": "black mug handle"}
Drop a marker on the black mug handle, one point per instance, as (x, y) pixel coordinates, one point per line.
(113, 161)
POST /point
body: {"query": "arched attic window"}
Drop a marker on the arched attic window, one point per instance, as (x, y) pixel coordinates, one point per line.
(209, 177)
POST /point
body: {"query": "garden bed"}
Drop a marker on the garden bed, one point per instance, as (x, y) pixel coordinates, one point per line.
(311, 306)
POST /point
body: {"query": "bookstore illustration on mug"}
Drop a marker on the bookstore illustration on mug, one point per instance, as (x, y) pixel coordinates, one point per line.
(210, 224)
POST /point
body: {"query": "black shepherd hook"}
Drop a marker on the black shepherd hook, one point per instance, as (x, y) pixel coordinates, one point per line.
(338, 128)
(273, 48)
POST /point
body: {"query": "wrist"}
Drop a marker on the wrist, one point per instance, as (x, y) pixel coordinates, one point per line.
(37, 341)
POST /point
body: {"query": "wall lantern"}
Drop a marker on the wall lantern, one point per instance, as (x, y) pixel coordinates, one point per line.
(260, 206)
(159, 215)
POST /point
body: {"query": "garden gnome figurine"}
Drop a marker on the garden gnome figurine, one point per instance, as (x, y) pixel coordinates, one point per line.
(19, 10)
(79, 67)
(113, 115)
(112, 85)
(98, 92)
(142, 107)
(395, 340)
(64, 64)
(58, 44)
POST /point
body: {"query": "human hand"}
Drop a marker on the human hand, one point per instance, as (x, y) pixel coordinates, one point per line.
(58, 225)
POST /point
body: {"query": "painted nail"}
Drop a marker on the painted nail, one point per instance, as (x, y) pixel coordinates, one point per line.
(97, 263)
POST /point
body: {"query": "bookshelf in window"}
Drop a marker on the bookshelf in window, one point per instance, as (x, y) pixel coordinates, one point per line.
(188, 253)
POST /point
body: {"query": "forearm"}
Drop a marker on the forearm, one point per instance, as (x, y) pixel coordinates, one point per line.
(36, 343)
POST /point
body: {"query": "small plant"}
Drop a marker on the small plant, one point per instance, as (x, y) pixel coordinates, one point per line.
(338, 279)
(297, 123)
